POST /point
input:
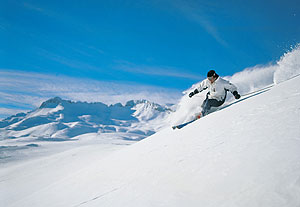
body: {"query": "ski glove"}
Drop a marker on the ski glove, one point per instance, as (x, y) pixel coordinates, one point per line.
(236, 95)
(193, 93)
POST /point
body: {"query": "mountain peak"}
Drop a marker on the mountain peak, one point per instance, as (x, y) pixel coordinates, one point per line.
(51, 103)
(59, 116)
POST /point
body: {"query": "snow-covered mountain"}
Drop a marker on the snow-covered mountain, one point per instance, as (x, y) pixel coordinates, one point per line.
(61, 119)
(58, 125)
(244, 155)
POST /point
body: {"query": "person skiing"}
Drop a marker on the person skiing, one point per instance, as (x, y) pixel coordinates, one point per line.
(217, 91)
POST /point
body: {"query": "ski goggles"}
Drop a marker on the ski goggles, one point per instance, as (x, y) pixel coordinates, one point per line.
(210, 78)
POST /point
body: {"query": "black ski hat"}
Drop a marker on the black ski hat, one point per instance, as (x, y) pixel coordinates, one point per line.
(211, 73)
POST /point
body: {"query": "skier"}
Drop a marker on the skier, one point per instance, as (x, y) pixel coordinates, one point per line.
(217, 91)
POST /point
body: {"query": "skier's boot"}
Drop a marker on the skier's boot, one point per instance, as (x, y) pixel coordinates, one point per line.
(199, 115)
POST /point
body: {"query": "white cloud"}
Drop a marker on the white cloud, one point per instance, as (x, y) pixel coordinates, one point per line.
(6, 112)
(197, 12)
(156, 70)
(28, 90)
(69, 62)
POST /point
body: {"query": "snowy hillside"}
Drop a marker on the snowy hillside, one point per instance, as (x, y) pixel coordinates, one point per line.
(61, 120)
(247, 81)
(66, 119)
(244, 155)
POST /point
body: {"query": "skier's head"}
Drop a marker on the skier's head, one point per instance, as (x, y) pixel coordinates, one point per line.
(212, 76)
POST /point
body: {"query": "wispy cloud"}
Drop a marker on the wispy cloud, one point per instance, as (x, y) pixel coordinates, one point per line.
(27, 90)
(35, 8)
(167, 71)
(6, 112)
(61, 18)
(198, 12)
(67, 61)
(2, 25)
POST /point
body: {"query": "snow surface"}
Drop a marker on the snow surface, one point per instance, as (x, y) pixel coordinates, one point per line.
(247, 81)
(244, 155)
(26, 135)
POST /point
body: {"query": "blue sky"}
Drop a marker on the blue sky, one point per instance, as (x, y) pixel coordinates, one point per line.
(161, 46)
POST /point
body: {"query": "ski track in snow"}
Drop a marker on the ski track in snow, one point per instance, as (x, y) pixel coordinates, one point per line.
(97, 197)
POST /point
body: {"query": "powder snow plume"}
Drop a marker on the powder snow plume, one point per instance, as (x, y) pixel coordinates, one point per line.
(248, 80)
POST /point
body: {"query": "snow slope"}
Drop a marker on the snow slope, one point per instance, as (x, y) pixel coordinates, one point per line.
(244, 155)
(247, 81)
(65, 119)
(26, 136)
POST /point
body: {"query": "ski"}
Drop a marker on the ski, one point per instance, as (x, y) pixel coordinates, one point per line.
(183, 125)
(186, 123)
(243, 97)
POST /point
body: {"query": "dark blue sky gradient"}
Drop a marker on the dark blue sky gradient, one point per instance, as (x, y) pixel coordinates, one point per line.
(161, 43)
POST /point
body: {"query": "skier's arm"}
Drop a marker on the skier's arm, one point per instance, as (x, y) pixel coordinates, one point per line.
(233, 89)
(202, 86)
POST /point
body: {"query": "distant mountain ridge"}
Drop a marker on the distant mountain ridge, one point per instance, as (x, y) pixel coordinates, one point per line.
(63, 119)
